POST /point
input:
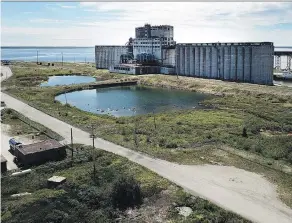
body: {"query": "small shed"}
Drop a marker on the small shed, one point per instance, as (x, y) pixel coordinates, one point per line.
(3, 164)
(40, 152)
(55, 181)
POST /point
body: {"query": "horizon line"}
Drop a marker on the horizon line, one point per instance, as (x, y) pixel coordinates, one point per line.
(92, 46)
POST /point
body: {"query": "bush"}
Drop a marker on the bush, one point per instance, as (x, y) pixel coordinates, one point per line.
(14, 116)
(9, 111)
(126, 193)
(244, 132)
(171, 145)
(289, 157)
(162, 142)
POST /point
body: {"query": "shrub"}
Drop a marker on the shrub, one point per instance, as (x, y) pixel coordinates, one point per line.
(148, 140)
(123, 131)
(244, 133)
(126, 193)
(14, 116)
(126, 139)
(9, 111)
(171, 145)
(289, 157)
(162, 142)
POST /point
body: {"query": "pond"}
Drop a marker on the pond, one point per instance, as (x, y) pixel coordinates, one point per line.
(121, 101)
(67, 80)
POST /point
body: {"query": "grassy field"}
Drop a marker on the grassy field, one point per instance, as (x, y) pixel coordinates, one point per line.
(20, 125)
(31, 74)
(249, 118)
(119, 189)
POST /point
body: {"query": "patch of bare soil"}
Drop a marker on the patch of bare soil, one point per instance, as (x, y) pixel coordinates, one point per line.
(154, 209)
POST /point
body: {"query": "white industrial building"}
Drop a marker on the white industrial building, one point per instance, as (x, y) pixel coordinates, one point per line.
(154, 46)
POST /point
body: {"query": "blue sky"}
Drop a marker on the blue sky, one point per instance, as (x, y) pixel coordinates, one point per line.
(92, 23)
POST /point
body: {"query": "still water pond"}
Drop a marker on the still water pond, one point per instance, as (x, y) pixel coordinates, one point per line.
(120, 101)
(67, 80)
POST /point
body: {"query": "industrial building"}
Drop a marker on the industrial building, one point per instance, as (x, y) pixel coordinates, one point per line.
(40, 152)
(153, 50)
(243, 62)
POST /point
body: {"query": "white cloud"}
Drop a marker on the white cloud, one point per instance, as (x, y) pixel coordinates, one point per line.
(87, 4)
(48, 21)
(192, 21)
(68, 6)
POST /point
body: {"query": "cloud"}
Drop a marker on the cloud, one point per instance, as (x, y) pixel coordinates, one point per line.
(48, 21)
(68, 6)
(87, 4)
(115, 22)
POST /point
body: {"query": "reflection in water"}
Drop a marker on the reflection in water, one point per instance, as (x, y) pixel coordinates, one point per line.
(120, 101)
(67, 80)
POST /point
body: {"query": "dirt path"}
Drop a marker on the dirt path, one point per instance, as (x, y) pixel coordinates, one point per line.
(242, 192)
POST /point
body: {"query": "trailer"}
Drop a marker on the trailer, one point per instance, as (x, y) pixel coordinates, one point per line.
(13, 143)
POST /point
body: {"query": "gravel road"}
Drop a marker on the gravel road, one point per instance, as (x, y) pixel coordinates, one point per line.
(245, 193)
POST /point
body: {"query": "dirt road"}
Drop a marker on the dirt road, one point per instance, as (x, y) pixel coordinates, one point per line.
(242, 192)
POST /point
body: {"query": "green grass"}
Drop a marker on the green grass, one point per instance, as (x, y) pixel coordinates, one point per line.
(185, 136)
(31, 74)
(20, 125)
(85, 198)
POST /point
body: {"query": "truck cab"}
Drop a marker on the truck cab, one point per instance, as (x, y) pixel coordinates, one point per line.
(13, 143)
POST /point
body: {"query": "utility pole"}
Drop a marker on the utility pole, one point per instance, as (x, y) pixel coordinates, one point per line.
(66, 98)
(62, 59)
(37, 57)
(93, 156)
(154, 120)
(176, 70)
(72, 146)
(135, 128)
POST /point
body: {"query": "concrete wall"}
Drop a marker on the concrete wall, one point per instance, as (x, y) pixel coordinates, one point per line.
(168, 57)
(167, 70)
(136, 70)
(243, 62)
(105, 56)
(150, 46)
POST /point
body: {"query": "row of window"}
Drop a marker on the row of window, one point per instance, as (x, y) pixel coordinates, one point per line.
(148, 42)
(147, 46)
(154, 43)
(122, 68)
(159, 28)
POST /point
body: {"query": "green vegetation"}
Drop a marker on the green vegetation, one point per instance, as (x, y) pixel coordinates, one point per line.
(20, 125)
(31, 74)
(250, 118)
(117, 186)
